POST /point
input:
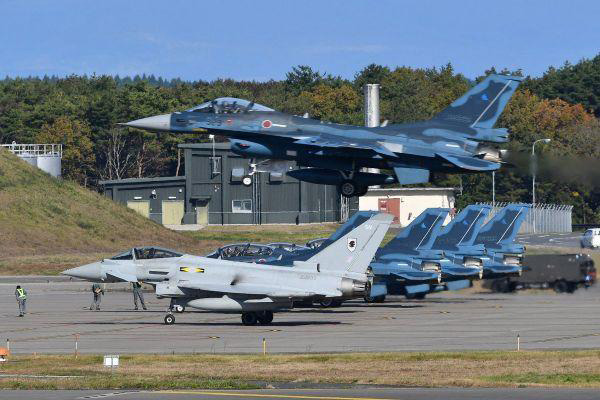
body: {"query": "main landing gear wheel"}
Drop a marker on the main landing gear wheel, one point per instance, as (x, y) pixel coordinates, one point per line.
(169, 319)
(348, 188)
(249, 318)
(265, 317)
(376, 299)
(179, 308)
(327, 303)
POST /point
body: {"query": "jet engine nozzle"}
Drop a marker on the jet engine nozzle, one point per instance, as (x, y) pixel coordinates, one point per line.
(353, 288)
(493, 154)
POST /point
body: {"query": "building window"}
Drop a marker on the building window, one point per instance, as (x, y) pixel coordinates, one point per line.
(237, 174)
(241, 206)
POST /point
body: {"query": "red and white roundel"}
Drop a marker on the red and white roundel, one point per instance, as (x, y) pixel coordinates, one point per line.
(267, 123)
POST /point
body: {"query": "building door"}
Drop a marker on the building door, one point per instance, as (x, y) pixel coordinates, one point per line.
(390, 206)
(172, 212)
(202, 213)
(140, 206)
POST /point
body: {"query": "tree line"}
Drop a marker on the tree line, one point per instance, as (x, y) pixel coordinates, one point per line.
(82, 113)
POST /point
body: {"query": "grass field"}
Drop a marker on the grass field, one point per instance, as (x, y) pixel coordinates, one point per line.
(423, 369)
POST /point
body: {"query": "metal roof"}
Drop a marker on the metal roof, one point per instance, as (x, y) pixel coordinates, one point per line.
(143, 180)
(218, 146)
(379, 191)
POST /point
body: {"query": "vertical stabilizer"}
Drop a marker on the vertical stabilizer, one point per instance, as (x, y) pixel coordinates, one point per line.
(463, 229)
(503, 227)
(354, 251)
(421, 232)
(481, 106)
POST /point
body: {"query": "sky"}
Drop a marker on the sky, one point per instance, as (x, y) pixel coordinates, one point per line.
(262, 40)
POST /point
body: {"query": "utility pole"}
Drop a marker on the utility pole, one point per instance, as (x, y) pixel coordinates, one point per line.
(534, 168)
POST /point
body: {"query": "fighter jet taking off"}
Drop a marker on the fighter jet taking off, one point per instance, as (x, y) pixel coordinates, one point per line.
(457, 140)
(254, 290)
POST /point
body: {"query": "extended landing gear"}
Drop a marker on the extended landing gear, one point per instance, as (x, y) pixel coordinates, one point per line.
(261, 317)
(330, 302)
(375, 299)
(169, 319)
(179, 308)
(349, 188)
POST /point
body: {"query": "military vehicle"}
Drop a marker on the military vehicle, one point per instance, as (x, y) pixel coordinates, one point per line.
(562, 272)
(459, 139)
(338, 270)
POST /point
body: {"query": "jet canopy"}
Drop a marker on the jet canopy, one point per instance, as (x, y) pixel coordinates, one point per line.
(229, 105)
(146, 253)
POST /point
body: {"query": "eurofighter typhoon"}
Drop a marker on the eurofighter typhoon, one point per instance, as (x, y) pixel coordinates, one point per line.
(254, 290)
(457, 140)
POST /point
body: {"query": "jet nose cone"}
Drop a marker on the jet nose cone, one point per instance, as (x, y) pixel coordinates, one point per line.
(90, 272)
(156, 123)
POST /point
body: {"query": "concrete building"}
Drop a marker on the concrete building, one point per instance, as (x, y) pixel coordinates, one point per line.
(406, 203)
(217, 189)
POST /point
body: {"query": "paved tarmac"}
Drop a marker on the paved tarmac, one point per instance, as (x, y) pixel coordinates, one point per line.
(446, 321)
(329, 394)
(571, 239)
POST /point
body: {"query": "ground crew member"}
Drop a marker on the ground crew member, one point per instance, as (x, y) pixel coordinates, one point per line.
(137, 292)
(21, 296)
(98, 292)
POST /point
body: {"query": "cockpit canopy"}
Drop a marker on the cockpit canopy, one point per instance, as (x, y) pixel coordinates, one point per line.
(146, 253)
(229, 105)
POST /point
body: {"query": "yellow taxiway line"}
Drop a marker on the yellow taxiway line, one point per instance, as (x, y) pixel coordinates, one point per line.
(271, 396)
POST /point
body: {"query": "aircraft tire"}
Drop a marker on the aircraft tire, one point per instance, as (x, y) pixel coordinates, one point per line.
(265, 317)
(179, 309)
(376, 299)
(348, 188)
(326, 303)
(249, 318)
(169, 319)
(379, 299)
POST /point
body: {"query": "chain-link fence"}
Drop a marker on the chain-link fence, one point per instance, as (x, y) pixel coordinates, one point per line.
(543, 218)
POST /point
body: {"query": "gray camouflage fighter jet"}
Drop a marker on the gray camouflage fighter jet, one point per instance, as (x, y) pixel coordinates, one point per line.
(254, 290)
(453, 141)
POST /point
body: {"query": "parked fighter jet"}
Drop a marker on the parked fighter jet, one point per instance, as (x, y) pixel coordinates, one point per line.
(498, 235)
(254, 290)
(453, 141)
(457, 240)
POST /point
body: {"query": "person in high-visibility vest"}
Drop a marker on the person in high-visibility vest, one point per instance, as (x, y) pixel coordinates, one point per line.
(21, 295)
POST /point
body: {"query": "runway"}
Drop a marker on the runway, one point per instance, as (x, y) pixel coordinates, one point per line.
(446, 321)
(327, 394)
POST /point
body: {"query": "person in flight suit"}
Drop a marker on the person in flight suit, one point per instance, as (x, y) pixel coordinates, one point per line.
(98, 292)
(137, 293)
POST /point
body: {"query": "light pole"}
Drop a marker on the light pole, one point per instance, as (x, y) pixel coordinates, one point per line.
(534, 167)
(493, 188)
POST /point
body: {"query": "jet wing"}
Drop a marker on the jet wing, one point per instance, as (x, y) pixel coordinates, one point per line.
(252, 289)
(470, 163)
